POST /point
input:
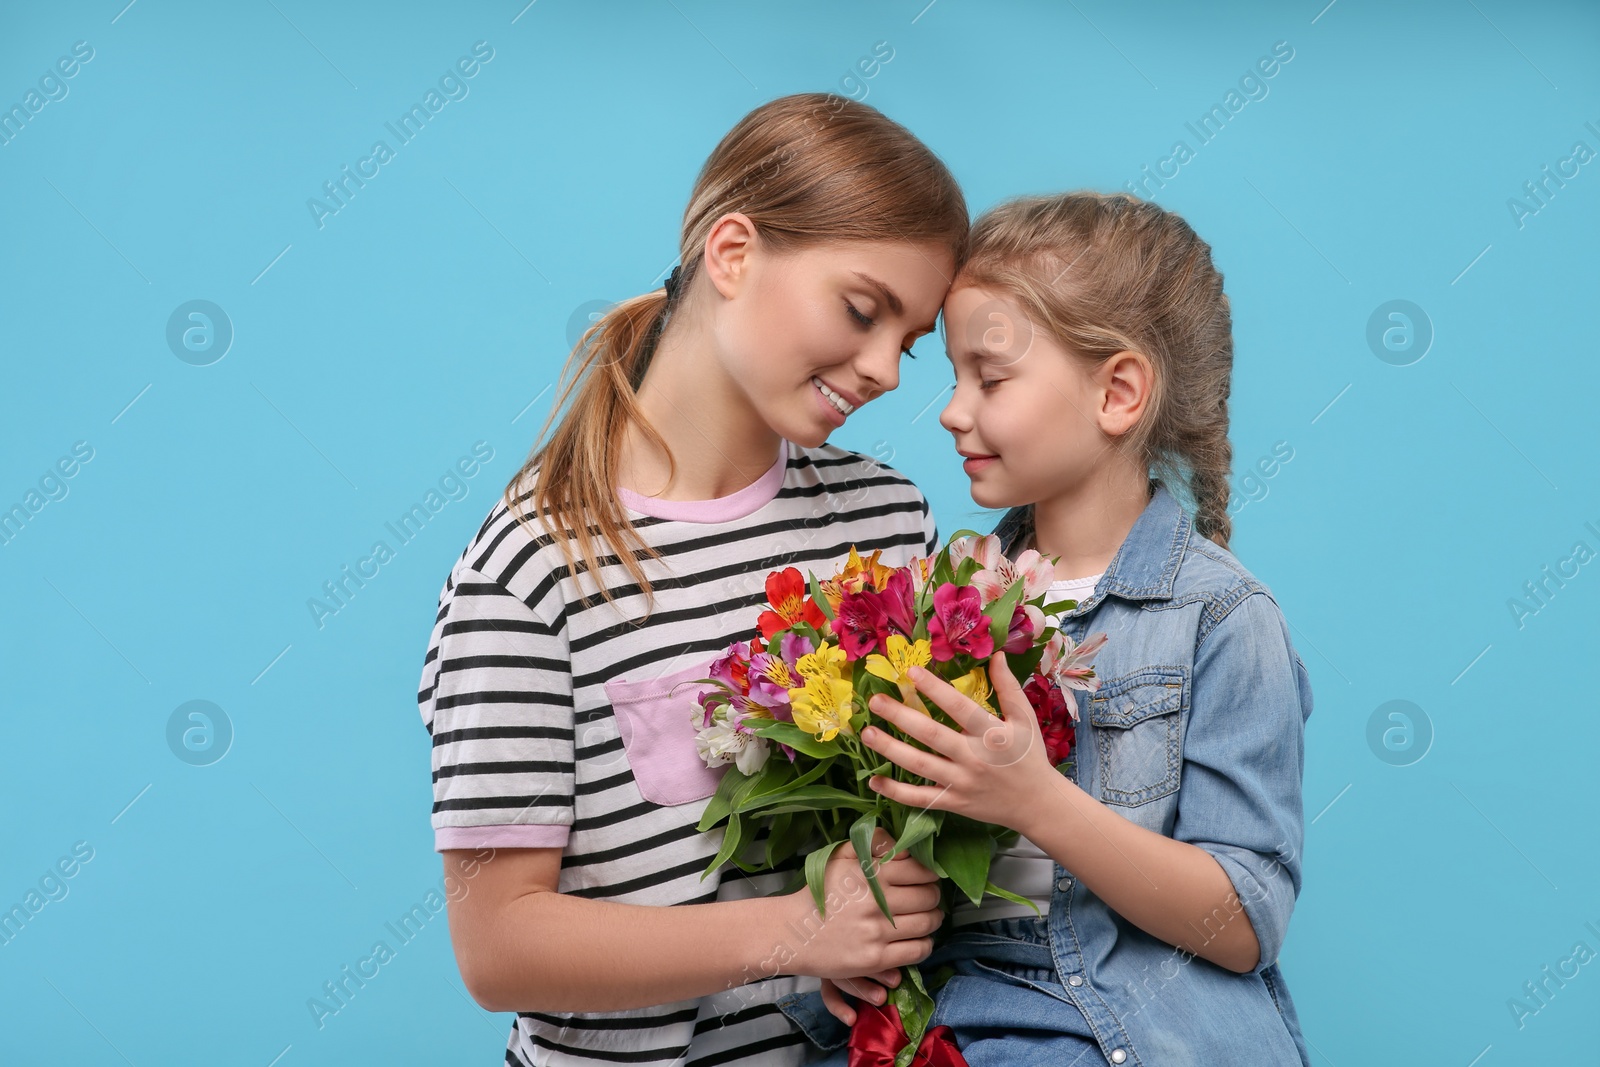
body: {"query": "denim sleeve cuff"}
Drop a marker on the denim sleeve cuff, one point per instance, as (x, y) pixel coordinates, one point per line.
(821, 1026)
(1267, 897)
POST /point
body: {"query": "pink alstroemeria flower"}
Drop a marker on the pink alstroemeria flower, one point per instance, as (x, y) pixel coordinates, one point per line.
(959, 624)
(1067, 664)
(998, 573)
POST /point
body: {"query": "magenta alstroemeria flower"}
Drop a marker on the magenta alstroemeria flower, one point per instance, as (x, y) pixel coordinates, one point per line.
(899, 606)
(729, 668)
(959, 624)
(1026, 621)
(867, 619)
(861, 625)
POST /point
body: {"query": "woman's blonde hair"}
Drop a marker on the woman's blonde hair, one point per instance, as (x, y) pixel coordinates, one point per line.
(1102, 273)
(807, 169)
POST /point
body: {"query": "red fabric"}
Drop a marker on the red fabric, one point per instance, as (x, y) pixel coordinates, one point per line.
(878, 1036)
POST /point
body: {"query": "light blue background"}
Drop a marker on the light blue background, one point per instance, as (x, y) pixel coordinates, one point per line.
(432, 312)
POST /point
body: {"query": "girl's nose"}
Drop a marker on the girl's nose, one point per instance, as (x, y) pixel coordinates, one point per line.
(954, 416)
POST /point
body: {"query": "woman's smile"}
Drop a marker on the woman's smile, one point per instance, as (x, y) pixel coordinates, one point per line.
(837, 407)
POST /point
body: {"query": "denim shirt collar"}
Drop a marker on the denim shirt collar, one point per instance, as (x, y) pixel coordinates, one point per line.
(1146, 564)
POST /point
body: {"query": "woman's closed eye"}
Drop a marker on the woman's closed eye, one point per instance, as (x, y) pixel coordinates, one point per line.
(867, 323)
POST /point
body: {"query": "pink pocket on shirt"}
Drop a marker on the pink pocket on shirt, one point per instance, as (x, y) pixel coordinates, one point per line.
(658, 719)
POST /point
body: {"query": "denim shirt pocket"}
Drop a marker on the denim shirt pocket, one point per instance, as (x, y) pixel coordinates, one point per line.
(658, 719)
(1138, 726)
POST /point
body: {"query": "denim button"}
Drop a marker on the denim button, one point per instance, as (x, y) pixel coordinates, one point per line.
(1075, 979)
(1064, 884)
(1117, 1055)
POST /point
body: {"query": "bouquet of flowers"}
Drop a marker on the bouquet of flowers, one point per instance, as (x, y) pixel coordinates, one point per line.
(800, 685)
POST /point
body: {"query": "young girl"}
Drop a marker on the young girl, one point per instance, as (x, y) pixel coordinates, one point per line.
(629, 552)
(1092, 349)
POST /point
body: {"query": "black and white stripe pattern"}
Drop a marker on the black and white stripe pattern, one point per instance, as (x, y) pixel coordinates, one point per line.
(527, 751)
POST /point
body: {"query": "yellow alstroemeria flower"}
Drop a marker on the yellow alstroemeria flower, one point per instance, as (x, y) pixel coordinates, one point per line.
(975, 686)
(826, 662)
(896, 667)
(821, 707)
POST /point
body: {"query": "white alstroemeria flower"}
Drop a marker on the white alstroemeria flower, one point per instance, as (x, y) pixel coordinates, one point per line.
(726, 742)
(753, 756)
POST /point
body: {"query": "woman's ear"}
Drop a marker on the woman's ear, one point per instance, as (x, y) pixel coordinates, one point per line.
(729, 247)
(1126, 379)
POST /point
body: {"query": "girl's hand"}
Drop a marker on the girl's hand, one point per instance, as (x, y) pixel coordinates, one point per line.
(868, 987)
(991, 771)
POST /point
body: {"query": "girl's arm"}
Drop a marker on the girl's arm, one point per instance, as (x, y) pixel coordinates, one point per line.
(1169, 889)
(522, 946)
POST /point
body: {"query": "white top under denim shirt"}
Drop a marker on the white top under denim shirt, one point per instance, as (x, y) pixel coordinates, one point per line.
(1197, 731)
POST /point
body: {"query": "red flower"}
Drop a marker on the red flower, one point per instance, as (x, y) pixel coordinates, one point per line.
(786, 592)
(1055, 723)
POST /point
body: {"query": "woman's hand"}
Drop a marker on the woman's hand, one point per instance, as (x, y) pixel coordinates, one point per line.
(991, 771)
(868, 987)
(855, 938)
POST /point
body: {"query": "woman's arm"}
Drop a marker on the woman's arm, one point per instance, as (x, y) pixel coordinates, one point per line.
(522, 946)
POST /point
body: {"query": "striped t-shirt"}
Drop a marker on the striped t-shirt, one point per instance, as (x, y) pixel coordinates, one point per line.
(558, 725)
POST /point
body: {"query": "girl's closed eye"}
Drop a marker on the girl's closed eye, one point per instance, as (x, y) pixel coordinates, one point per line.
(867, 323)
(989, 383)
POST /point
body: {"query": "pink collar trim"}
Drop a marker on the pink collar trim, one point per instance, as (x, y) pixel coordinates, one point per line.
(719, 509)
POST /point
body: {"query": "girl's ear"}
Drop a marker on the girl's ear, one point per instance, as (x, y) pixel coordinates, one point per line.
(1126, 378)
(729, 247)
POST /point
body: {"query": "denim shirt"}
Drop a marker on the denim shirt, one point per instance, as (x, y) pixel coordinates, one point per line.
(1197, 731)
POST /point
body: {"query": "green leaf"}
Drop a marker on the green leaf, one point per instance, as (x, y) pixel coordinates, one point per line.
(1024, 664)
(816, 868)
(778, 775)
(923, 853)
(885, 768)
(807, 798)
(913, 972)
(940, 977)
(920, 824)
(1059, 606)
(730, 844)
(1001, 610)
(721, 801)
(817, 595)
(791, 840)
(861, 839)
(750, 856)
(790, 734)
(775, 832)
(964, 848)
(916, 1008)
(990, 887)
